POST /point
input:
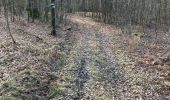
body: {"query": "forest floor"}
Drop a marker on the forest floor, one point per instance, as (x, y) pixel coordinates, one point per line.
(92, 61)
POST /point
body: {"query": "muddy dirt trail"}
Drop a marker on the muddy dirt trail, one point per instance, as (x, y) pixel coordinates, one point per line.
(101, 68)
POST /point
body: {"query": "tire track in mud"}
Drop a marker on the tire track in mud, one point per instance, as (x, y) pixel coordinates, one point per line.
(85, 73)
(76, 50)
(109, 73)
(82, 75)
(100, 72)
(95, 73)
(64, 87)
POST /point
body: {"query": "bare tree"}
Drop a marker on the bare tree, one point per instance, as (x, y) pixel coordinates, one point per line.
(53, 17)
(5, 2)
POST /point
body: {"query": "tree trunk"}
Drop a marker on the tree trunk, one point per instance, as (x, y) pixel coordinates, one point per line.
(53, 17)
(6, 17)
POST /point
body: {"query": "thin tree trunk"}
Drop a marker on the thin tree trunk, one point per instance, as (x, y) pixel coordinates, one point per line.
(7, 21)
(53, 17)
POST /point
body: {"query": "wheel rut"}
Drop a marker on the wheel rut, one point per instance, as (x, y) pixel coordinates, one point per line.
(98, 71)
(103, 71)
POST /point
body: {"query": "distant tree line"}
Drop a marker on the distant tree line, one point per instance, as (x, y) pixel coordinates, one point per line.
(150, 13)
(122, 12)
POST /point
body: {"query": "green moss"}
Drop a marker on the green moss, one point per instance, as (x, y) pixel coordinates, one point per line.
(30, 49)
(103, 97)
(21, 84)
(96, 61)
(9, 98)
(62, 59)
(56, 91)
(138, 34)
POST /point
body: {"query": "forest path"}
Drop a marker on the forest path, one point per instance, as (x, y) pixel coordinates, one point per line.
(104, 71)
(90, 62)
